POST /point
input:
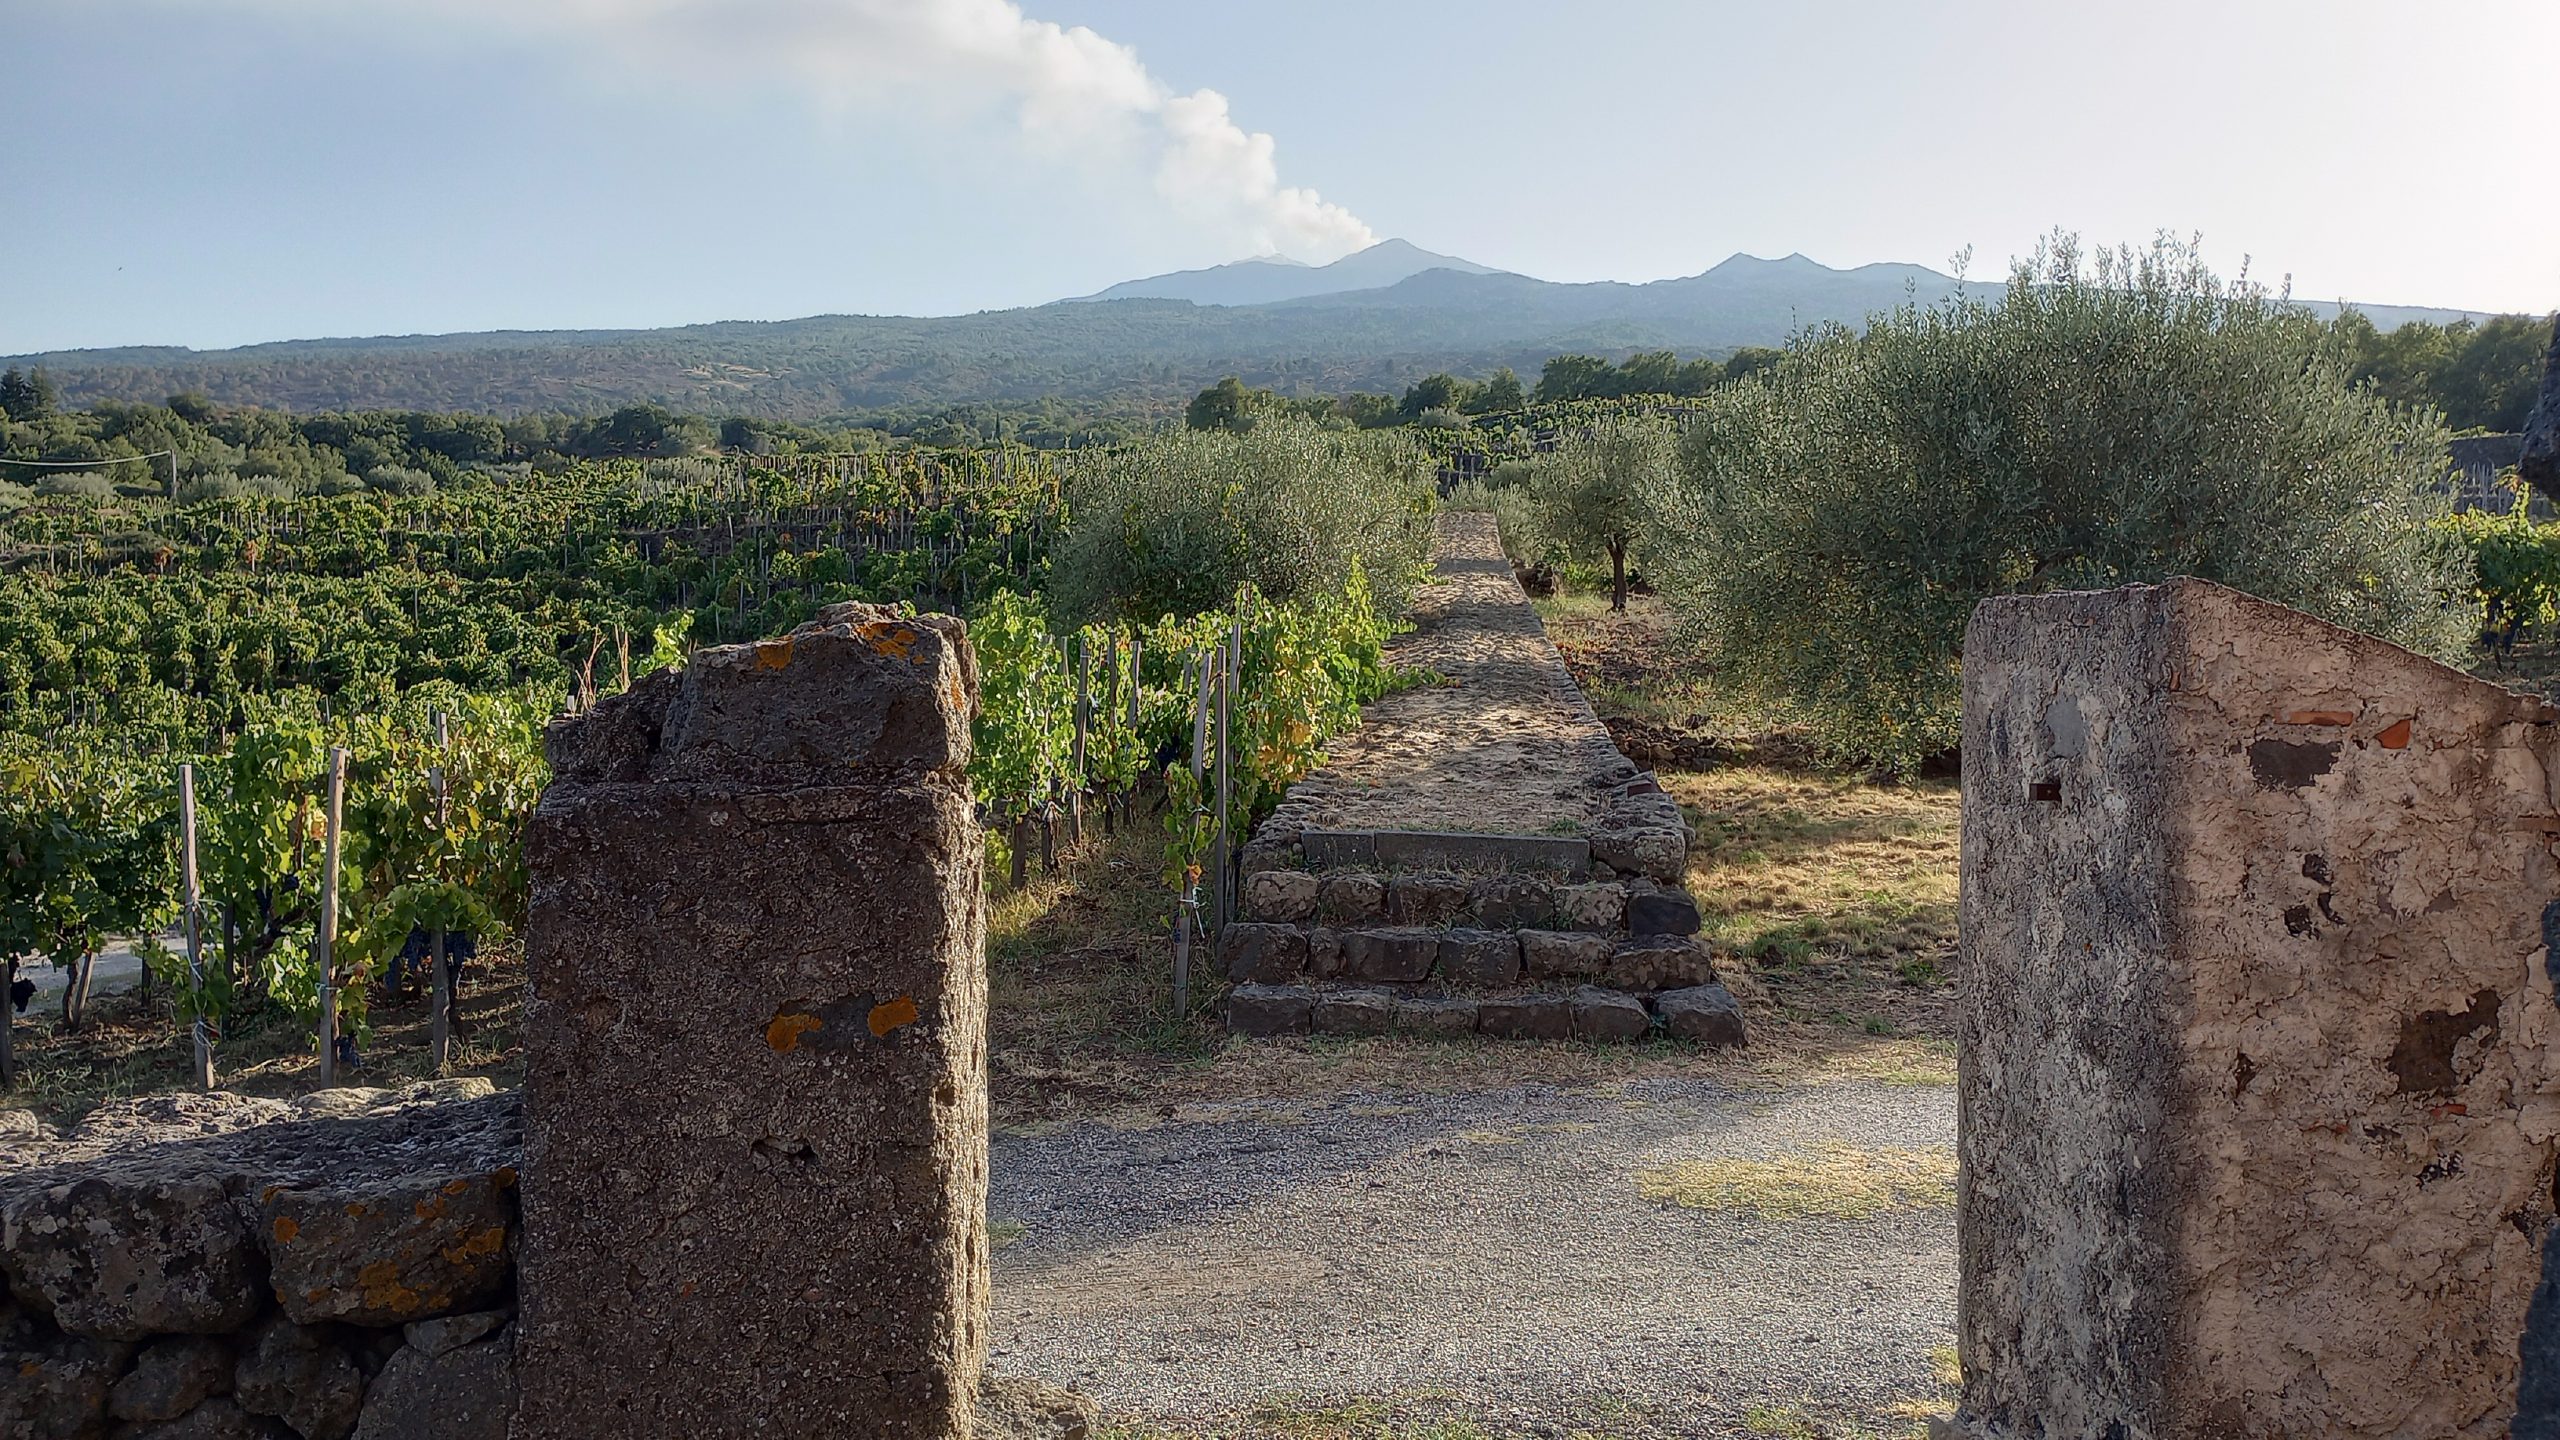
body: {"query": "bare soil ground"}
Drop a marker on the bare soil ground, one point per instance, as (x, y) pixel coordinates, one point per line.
(1506, 745)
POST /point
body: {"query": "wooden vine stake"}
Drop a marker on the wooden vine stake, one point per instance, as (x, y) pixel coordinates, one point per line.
(324, 945)
(1084, 723)
(1222, 847)
(440, 1026)
(192, 916)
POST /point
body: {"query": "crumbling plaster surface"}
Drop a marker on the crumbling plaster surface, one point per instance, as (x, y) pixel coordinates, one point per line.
(2260, 1095)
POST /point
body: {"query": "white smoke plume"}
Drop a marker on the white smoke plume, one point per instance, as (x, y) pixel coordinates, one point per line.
(1069, 89)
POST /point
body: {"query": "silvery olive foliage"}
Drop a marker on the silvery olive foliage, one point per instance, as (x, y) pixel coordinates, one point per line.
(2108, 417)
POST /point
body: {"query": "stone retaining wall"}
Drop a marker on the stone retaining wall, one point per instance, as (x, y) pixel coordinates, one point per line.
(214, 1266)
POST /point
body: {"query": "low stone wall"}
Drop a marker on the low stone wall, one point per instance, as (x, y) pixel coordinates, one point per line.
(215, 1266)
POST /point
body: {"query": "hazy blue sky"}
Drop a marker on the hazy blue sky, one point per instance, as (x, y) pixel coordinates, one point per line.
(214, 172)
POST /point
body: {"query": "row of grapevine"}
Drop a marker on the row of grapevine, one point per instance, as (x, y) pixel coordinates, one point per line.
(436, 796)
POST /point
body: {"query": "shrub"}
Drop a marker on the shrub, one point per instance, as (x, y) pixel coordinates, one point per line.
(78, 485)
(1172, 524)
(2103, 421)
(400, 480)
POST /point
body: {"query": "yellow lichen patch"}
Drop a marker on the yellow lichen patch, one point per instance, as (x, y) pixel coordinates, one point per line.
(773, 654)
(429, 1209)
(1488, 1137)
(356, 1210)
(785, 1031)
(286, 1227)
(506, 1176)
(456, 1187)
(1833, 1181)
(892, 1014)
(477, 1244)
(384, 1289)
(887, 637)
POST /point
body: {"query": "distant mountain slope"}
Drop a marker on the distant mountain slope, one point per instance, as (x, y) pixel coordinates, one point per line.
(1139, 355)
(1261, 282)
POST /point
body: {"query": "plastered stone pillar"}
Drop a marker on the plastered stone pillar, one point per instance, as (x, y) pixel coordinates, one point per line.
(2258, 1086)
(755, 1116)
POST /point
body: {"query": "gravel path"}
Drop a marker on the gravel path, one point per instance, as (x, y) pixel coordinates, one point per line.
(1510, 748)
(1493, 1245)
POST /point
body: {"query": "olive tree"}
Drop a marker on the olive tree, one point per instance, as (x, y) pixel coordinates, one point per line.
(1171, 524)
(2106, 419)
(1595, 498)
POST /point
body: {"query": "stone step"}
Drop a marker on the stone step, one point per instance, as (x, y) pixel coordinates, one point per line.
(1480, 959)
(1352, 899)
(1706, 1014)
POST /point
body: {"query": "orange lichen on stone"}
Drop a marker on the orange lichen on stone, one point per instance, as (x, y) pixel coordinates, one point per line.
(785, 1031)
(429, 1209)
(2317, 717)
(456, 1187)
(356, 1210)
(286, 1227)
(773, 654)
(887, 637)
(384, 1289)
(892, 1015)
(2394, 736)
(472, 1247)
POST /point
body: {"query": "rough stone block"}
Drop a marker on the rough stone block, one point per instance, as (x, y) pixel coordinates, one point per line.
(1662, 912)
(1512, 902)
(1283, 896)
(1354, 1012)
(1324, 954)
(755, 1107)
(433, 1244)
(58, 1390)
(171, 1376)
(1659, 851)
(1269, 1009)
(1704, 1013)
(1609, 1015)
(1430, 898)
(1483, 958)
(1351, 899)
(2257, 1029)
(1563, 954)
(1398, 955)
(300, 1375)
(1600, 907)
(1525, 1017)
(215, 1419)
(465, 1392)
(1660, 962)
(1270, 954)
(121, 1254)
(1435, 1015)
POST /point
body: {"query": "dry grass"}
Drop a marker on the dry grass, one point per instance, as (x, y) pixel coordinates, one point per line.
(1834, 1181)
(130, 1046)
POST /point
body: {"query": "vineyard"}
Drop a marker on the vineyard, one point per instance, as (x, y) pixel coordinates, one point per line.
(177, 681)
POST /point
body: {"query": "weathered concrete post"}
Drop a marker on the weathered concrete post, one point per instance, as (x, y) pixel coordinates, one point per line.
(755, 1115)
(2259, 1085)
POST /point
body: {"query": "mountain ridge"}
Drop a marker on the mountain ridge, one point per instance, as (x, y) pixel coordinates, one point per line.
(1141, 355)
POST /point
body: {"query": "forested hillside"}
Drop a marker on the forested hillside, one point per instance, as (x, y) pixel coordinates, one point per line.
(1137, 357)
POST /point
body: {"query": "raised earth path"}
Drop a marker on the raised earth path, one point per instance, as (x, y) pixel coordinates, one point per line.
(1492, 1247)
(1509, 746)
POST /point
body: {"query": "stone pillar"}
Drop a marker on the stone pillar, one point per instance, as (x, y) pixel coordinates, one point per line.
(755, 1118)
(2258, 1084)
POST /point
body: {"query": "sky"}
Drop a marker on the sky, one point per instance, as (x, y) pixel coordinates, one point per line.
(220, 172)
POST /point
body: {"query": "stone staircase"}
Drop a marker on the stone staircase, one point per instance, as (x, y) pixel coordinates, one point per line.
(1544, 937)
